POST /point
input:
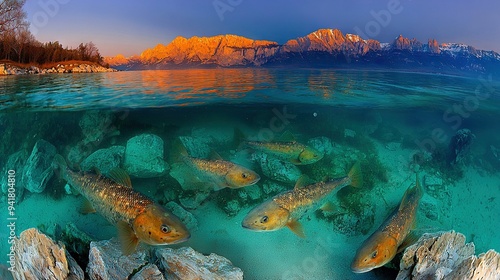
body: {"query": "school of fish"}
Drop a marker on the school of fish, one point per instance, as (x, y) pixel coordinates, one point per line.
(139, 219)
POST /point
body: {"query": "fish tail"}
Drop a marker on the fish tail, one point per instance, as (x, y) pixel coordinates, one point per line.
(179, 152)
(240, 140)
(60, 166)
(355, 175)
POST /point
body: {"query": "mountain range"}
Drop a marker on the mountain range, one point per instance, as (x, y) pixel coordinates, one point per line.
(322, 48)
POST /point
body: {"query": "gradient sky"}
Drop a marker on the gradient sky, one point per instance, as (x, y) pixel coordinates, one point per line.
(130, 26)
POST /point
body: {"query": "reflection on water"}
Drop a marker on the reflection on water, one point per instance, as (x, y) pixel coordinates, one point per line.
(166, 88)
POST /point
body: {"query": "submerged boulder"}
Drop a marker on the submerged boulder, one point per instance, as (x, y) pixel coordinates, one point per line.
(187, 264)
(278, 170)
(148, 272)
(186, 217)
(144, 156)
(104, 159)
(96, 125)
(38, 169)
(37, 256)
(460, 145)
(445, 255)
(107, 262)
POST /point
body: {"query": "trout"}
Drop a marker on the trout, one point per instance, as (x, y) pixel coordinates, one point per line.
(286, 208)
(392, 236)
(137, 217)
(293, 151)
(221, 173)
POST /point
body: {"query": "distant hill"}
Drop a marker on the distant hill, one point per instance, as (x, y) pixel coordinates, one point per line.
(322, 48)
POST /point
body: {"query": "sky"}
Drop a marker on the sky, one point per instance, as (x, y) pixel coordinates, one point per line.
(129, 27)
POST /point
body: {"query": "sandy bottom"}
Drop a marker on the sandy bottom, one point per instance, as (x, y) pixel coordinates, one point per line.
(470, 206)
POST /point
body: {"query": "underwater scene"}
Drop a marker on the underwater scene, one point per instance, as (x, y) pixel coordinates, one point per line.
(250, 173)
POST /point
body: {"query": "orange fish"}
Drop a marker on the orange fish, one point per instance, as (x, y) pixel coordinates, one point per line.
(219, 172)
(286, 208)
(137, 217)
(392, 236)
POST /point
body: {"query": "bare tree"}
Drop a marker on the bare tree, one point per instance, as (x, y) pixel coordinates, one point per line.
(12, 15)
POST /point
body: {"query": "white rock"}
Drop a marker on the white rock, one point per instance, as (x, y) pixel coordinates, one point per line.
(187, 264)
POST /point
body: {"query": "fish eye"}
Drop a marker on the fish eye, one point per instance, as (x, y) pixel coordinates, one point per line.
(244, 175)
(165, 229)
(264, 219)
(374, 254)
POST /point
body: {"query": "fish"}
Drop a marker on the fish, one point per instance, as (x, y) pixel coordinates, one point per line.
(393, 236)
(286, 208)
(137, 217)
(287, 149)
(221, 173)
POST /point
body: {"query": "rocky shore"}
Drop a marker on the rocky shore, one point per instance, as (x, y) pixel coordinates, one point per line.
(9, 69)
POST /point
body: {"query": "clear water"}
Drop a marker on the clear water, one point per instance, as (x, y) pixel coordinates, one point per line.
(381, 118)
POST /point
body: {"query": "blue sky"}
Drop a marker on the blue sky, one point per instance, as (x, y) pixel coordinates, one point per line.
(128, 27)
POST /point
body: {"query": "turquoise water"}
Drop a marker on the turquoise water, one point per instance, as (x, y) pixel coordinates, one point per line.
(393, 123)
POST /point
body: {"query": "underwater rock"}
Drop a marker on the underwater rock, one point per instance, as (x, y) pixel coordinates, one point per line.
(144, 156)
(104, 159)
(38, 169)
(278, 170)
(232, 207)
(186, 217)
(428, 205)
(187, 264)
(221, 135)
(435, 256)
(460, 145)
(485, 266)
(148, 272)
(196, 147)
(272, 188)
(434, 185)
(253, 192)
(192, 201)
(348, 133)
(39, 257)
(353, 223)
(15, 162)
(323, 144)
(106, 261)
(96, 125)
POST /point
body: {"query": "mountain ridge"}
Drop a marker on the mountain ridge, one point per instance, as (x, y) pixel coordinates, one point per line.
(321, 48)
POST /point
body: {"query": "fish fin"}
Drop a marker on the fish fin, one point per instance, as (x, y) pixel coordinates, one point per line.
(325, 178)
(120, 176)
(215, 156)
(96, 171)
(179, 151)
(287, 136)
(303, 181)
(410, 239)
(128, 239)
(86, 207)
(355, 175)
(295, 161)
(296, 228)
(218, 187)
(239, 139)
(328, 207)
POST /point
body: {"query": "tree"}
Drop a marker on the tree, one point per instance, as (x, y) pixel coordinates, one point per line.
(12, 15)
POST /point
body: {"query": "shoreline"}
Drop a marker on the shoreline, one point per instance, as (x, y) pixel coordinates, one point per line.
(10, 68)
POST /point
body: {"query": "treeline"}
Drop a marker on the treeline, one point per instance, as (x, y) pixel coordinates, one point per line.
(34, 52)
(19, 45)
